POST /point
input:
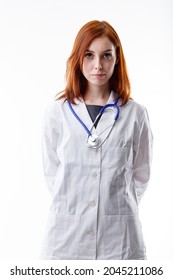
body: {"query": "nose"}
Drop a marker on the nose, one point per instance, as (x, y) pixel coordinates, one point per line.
(98, 65)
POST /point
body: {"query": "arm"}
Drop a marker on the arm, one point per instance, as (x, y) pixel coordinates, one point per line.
(143, 156)
(49, 145)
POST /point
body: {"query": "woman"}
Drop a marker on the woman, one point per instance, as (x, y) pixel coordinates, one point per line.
(97, 166)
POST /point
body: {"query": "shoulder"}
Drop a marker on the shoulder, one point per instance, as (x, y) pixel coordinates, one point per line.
(54, 107)
(135, 108)
(52, 115)
(136, 113)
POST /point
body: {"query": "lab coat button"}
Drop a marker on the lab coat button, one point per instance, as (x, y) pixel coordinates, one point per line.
(92, 203)
(94, 174)
(91, 233)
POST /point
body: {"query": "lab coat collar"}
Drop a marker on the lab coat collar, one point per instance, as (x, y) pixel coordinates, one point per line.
(112, 97)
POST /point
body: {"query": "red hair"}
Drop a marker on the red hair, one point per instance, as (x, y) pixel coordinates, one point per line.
(75, 81)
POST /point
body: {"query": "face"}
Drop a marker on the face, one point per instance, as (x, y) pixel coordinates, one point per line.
(99, 61)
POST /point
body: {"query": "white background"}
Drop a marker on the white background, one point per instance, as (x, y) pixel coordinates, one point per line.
(36, 38)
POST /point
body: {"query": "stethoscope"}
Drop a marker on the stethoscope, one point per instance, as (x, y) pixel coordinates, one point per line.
(94, 141)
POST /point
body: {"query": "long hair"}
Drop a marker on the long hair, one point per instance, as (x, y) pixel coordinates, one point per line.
(76, 83)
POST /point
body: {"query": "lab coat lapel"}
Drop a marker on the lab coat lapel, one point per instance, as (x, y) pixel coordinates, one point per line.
(107, 119)
(83, 114)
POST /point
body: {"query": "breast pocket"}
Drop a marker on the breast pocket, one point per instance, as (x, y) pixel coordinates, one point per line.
(120, 158)
(117, 199)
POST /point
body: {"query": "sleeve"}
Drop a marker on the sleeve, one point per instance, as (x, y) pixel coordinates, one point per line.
(49, 145)
(143, 156)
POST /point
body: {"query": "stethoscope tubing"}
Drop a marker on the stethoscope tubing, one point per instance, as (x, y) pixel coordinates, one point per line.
(77, 117)
(111, 105)
(100, 113)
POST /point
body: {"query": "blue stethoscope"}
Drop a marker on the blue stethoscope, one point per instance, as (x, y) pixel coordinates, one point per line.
(94, 141)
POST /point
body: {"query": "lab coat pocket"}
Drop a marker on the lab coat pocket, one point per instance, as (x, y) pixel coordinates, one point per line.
(120, 157)
(61, 228)
(117, 201)
(128, 240)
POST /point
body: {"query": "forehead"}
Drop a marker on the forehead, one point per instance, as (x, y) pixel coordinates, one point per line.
(101, 44)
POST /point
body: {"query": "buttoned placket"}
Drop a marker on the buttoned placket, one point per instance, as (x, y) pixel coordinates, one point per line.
(94, 160)
(93, 200)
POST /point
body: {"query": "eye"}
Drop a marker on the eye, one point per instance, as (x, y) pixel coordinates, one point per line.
(107, 55)
(88, 55)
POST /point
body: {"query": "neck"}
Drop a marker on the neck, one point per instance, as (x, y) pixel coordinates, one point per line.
(96, 96)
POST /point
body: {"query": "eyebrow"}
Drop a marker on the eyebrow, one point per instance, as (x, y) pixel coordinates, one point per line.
(108, 50)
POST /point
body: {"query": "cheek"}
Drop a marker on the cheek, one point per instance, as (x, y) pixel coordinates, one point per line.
(86, 68)
(110, 68)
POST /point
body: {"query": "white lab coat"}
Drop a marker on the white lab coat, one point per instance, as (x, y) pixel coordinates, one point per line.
(95, 192)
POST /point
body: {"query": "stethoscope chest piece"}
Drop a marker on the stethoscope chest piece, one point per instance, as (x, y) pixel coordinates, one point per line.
(93, 141)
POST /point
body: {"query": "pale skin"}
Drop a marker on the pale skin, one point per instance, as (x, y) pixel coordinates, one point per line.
(98, 66)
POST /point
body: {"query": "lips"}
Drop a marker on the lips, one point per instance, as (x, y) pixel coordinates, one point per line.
(98, 75)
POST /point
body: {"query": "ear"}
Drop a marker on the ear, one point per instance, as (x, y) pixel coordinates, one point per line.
(117, 60)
